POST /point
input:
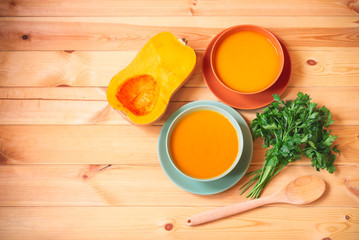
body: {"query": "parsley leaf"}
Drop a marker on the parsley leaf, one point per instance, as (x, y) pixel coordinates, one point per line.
(290, 130)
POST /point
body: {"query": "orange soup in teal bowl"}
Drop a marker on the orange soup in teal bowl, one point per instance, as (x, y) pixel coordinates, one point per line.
(204, 143)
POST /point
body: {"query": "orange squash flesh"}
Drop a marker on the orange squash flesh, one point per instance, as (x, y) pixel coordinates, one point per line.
(139, 94)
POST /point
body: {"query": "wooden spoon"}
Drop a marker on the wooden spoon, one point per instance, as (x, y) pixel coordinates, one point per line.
(302, 190)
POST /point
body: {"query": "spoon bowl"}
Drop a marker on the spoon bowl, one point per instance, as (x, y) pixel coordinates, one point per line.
(301, 190)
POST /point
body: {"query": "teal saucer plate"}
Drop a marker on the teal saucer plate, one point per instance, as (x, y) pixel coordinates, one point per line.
(210, 187)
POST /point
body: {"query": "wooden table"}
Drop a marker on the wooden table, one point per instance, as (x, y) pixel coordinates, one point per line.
(72, 168)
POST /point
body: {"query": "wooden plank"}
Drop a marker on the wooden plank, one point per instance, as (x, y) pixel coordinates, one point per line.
(97, 8)
(53, 68)
(338, 67)
(58, 112)
(103, 34)
(169, 223)
(60, 106)
(178, 7)
(79, 144)
(97, 144)
(62, 92)
(263, 7)
(138, 185)
(319, 21)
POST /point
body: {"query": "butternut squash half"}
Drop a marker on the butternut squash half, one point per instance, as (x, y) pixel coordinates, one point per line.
(142, 90)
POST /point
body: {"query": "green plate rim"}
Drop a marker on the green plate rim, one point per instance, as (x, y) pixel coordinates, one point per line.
(211, 187)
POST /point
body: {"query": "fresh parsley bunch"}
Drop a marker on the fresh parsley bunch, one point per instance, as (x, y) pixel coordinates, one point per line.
(291, 130)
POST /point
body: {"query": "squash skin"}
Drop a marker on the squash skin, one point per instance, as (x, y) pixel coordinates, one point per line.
(141, 91)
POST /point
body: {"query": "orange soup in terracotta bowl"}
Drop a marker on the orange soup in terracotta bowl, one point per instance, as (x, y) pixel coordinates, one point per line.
(247, 59)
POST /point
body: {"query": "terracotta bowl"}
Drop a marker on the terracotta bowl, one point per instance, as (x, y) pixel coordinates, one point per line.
(227, 32)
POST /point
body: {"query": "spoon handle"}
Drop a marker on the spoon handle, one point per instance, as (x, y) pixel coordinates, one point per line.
(226, 211)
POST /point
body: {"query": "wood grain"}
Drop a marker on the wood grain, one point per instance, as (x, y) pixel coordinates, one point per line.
(59, 110)
(175, 7)
(337, 67)
(103, 33)
(169, 223)
(97, 144)
(72, 168)
(133, 185)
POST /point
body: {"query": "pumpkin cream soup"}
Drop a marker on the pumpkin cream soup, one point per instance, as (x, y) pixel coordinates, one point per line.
(204, 144)
(247, 62)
